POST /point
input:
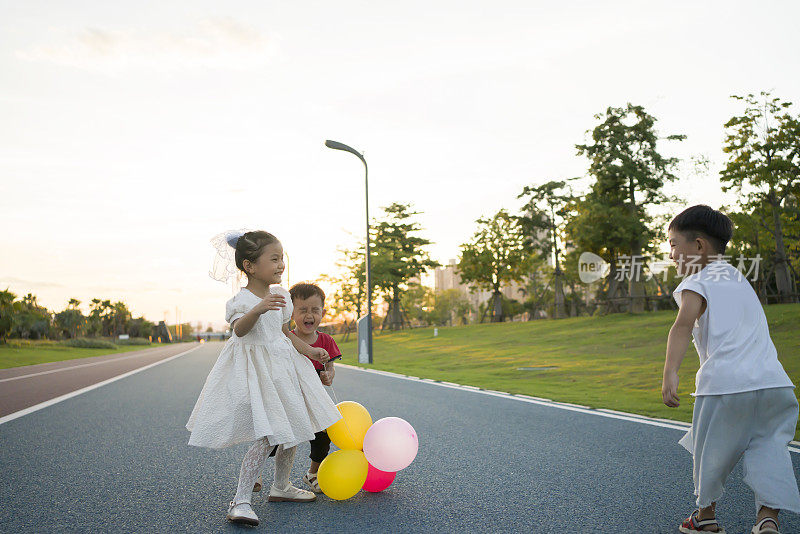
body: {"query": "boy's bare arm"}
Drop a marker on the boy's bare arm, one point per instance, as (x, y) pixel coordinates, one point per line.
(315, 353)
(692, 306)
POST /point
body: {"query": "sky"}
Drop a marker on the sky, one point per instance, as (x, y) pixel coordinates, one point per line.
(131, 133)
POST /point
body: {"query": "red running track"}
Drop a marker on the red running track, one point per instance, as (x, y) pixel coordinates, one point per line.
(29, 385)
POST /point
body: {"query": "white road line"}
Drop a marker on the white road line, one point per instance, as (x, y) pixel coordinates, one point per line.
(112, 360)
(45, 404)
(611, 414)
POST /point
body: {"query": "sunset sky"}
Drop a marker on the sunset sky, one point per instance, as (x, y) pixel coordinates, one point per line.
(132, 132)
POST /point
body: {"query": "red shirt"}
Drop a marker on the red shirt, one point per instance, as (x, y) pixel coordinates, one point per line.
(326, 342)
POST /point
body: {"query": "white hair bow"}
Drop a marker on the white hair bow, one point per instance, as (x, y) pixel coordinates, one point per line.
(224, 267)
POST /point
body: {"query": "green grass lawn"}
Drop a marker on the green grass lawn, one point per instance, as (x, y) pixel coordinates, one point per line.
(15, 354)
(614, 361)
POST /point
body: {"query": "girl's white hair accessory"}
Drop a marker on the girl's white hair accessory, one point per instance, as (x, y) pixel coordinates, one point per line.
(224, 267)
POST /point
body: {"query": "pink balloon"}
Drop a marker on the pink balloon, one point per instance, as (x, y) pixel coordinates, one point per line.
(390, 444)
(378, 480)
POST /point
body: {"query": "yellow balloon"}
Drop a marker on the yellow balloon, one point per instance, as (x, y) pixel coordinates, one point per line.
(349, 431)
(342, 474)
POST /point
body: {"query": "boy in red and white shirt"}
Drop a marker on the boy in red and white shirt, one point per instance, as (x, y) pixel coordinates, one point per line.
(309, 309)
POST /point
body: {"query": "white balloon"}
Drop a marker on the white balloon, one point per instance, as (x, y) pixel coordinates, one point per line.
(391, 444)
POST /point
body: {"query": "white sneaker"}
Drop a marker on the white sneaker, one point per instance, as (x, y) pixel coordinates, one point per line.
(242, 513)
(311, 481)
(290, 494)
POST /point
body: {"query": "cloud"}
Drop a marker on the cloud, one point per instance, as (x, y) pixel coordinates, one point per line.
(221, 42)
(136, 289)
(10, 280)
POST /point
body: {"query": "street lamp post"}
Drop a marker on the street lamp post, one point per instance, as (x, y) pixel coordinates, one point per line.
(341, 146)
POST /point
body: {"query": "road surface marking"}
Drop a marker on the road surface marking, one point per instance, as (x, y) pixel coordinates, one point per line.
(45, 404)
(611, 414)
(111, 360)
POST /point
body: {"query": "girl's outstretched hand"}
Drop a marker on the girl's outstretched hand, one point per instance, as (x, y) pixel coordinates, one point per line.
(318, 354)
(272, 301)
(669, 389)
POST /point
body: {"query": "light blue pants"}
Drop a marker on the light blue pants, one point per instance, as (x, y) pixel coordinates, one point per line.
(755, 426)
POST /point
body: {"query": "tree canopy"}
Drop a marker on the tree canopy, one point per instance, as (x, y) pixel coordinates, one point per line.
(496, 255)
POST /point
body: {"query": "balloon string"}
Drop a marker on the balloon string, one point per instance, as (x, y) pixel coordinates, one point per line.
(343, 417)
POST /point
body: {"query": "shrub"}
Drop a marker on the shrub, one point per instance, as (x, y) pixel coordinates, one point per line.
(133, 341)
(88, 343)
(30, 343)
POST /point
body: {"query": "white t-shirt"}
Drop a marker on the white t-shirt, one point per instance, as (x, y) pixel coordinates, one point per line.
(731, 336)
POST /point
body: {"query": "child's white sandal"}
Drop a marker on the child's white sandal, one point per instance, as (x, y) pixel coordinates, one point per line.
(311, 481)
(290, 494)
(242, 513)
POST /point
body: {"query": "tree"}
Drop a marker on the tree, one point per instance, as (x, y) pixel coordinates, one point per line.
(70, 321)
(496, 256)
(30, 320)
(350, 283)
(754, 246)
(140, 327)
(7, 299)
(536, 291)
(27, 319)
(399, 255)
(629, 175)
(450, 305)
(119, 316)
(763, 167)
(417, 302)
(100, 319)
(94, 323)
(544, 219)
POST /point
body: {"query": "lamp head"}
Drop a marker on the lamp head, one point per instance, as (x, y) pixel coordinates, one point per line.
(336, 145)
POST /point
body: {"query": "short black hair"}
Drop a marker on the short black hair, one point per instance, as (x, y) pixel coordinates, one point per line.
(305, 290)
(704, 221)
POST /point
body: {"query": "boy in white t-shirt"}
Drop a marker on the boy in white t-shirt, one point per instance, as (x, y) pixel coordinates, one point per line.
(745, 405)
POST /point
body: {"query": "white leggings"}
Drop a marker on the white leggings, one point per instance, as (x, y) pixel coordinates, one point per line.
(755, 426)
(253, 464)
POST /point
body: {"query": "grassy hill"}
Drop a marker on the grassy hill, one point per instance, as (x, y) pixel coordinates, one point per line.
(615, 361)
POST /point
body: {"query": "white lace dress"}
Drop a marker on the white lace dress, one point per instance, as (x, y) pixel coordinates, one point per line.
(260, 386)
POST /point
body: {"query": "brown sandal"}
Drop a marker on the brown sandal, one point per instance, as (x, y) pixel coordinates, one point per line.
(692, 525)
(769, 530)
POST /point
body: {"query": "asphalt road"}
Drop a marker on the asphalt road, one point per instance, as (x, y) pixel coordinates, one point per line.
(115, 459)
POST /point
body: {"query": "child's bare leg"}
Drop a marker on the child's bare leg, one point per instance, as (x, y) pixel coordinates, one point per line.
(708, 512)
(771, 513)
(314, 467)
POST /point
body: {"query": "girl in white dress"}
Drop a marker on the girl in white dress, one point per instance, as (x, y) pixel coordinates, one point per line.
(262, 388)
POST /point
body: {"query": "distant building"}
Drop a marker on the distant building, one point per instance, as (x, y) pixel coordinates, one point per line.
(447, 278)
